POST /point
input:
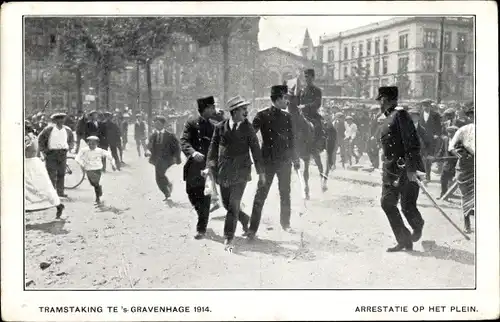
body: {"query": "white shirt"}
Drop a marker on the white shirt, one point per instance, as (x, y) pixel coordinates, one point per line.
(426, 116)
(58, 139)
(92, 159)
(231, 124)
(350, 130)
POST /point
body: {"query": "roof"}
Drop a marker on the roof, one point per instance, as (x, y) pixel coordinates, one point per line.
(290, 54)
(307, 39)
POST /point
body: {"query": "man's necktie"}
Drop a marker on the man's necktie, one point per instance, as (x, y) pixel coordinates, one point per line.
(234, 127)
(159, 138)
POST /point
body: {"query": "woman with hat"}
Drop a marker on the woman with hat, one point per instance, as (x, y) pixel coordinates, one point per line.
(90, 158)
(39, 191)
(463, 146)
(229, 160)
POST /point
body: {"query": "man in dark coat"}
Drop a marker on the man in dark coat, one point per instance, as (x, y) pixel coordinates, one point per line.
(229, 159)
(431, 121)
(163, 151)
(310, 103)
(54, 142)
(124, 130)
(426, 143)
(195, 141)
(278, 153)
(373, 143)
(450, 161)
(113, 137)
(401, 161)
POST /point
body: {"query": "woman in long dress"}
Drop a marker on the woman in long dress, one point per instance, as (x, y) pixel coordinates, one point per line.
(39, 191)
(463, 145)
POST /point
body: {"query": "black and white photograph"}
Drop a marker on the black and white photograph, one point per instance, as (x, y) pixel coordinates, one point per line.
(204, 152)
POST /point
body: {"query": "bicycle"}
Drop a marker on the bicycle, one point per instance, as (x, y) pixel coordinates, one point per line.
(75, 173)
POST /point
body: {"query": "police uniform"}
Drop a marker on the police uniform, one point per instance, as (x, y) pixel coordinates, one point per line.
(278, 152)
(400, 143)
(196, 138)
(310, 97)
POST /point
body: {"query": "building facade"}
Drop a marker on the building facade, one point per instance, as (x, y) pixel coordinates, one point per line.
(403, 51)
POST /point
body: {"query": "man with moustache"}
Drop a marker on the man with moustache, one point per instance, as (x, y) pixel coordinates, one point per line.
(195, 141)
(278, 153)
(401, 161)
(229, 160)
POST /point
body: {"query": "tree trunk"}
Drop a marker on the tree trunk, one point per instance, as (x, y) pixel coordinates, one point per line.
(225, 63)
(97, 91)
(138, 90)
(150, 95)
(79, 104)
(106, 86)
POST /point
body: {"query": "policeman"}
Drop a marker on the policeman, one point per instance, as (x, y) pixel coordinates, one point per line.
(278, 152)
(310, 102)
(401, 160)
(195, 141)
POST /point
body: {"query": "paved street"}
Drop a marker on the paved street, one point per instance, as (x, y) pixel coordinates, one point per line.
(136, 241)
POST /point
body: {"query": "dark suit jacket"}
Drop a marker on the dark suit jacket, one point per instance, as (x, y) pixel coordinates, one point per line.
(426, 140)
(229, 153)
(165, 149)
(81, 126)
(99, 131)
(196, 137)
(433, 125)
(139, 130)
(113, 133)
(278, 142)
(310, 97)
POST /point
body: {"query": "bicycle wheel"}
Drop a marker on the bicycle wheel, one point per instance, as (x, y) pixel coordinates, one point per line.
(74, 174)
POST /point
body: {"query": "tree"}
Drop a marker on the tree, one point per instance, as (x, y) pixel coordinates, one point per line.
(358, 81)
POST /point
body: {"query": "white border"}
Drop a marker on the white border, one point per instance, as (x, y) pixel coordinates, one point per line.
(250, 305)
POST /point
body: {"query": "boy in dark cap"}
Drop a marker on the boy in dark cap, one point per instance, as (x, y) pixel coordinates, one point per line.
(310, 103)
(278, 153)
(401, 161)
(195, 141)
(164, 151)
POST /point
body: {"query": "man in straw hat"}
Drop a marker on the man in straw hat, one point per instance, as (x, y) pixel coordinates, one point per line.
(163, 151)
(54, 142)
(278, 152)
(401, 148)
(229, 159)
(195, 141)
(90, 158)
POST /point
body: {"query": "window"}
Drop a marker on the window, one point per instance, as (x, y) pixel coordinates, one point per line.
(386, 44)
(403, 41)
(430, 36)
(461, 65)
(354, 69)
(369, 47)
(353, 51)
(384, 66)
(345, 72)
(447, 41)
(461, 42)
(330, 55)
(430, 62)
(376, 67)
(368, 68)
(345, 52)
(377, 46)
(428, 86)
(360, 49)
(447, 63)
(403, 62)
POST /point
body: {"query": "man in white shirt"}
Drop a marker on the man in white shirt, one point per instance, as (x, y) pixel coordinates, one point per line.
(90, 159)
(351, 130)
(54, 142)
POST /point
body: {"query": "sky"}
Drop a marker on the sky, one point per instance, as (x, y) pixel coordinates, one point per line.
(287, 33)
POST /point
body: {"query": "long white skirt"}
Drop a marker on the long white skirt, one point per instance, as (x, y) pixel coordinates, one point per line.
(39, 193)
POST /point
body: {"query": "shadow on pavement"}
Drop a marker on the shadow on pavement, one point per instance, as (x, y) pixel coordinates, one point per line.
(431, 249)
(54, 227)
(104, 208)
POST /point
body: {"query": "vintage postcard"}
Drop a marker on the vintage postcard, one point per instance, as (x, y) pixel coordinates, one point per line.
(249, 161)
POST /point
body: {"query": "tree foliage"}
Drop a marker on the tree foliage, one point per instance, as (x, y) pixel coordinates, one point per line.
(357, 83)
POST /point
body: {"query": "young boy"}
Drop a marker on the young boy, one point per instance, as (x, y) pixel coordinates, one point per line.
(91, 160)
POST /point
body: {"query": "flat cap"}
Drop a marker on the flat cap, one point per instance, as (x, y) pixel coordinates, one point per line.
(452, 128)
(414, 110)
(449, 111)
(160, 118)
(92, 112)
(58, 116)
(426, 102)
(93, 138)
(107, 113)
(348, 117)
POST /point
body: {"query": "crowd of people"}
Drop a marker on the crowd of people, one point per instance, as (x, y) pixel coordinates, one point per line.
(219, 146)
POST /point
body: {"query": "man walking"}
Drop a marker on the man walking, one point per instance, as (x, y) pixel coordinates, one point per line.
(124, 131)
(140, 133)
(81, 126)
(278, 151)
(195, 142)
(401, 161)
(113, 137)
(54, 142)
(229, 159)
(351, 132)
(431, 121)
(373, 143)
(164, 151)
